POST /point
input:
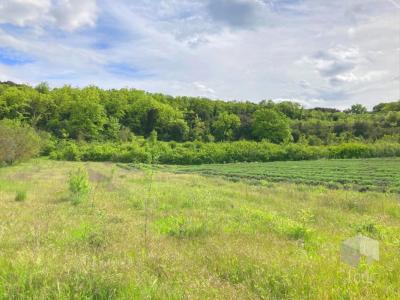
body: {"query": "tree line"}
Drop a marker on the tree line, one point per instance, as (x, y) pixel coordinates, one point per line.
(116, 125)
(93, 114)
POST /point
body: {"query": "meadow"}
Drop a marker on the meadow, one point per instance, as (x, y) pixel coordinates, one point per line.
(159, 234)
(360, 174)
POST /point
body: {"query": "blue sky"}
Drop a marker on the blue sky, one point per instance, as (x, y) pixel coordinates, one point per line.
(316, 52)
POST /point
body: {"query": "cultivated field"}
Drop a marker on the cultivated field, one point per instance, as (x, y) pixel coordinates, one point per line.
(359, 174)
(186, 236)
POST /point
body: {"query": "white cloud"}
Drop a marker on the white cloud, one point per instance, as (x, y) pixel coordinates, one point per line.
(352, 78)
(317, 52)
(203, 89)
(335, 61)
(65, 14)
(24, 12)
(73, 14)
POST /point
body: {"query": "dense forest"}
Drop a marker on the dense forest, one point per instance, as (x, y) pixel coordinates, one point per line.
(92, 117)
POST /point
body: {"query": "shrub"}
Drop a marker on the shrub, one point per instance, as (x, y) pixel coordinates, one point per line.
(67, 150)
(18, 142)
(194, 153)
(79, 186)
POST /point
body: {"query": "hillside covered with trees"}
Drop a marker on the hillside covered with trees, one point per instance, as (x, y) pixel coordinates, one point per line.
(111, 121)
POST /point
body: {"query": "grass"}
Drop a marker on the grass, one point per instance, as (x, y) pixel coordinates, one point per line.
(207, 237)
(20, 196)
(361, 174)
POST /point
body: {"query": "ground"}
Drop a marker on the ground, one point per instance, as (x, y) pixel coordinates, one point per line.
(163, 235)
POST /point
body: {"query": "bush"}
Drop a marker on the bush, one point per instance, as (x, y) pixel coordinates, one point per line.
(67, 150)
(194, 153)
(18, 142)
(79, 185)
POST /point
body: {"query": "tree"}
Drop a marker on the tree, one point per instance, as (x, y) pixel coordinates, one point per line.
(364, 129)
(87, 116)
(272, 125)
(43, 88)
(147, 114)
(225, 126)
(292, 110)
(178, 130)
(198, 131)
(357, 109)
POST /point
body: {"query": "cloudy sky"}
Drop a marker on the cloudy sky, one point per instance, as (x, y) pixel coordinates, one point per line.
(316, 52)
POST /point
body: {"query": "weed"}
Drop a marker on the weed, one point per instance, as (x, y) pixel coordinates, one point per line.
(79, 186)
(181, 227)
(89, 235)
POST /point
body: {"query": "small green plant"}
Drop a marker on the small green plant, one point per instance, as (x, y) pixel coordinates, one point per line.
(20, 196)
(181, 227)
(79, 186)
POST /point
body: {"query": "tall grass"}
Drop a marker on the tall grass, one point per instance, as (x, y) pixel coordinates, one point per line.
(207, 238)
(20, 196)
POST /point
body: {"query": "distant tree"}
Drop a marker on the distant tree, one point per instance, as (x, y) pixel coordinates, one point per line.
(198, 132)
(364, 129)
(392, 119)
(290, 109)
(112, 129)
(225, 126)
(325, 109)
(272, 125)
(147, 114)
(42, 88)
(87, 116)
(357, 109)
(13, 103)
(267, 103)
(178, 130)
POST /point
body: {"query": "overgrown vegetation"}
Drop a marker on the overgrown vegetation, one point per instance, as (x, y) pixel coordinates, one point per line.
(207, 237)
(189, 153)
(79, 186)
(96, 124)
(18, 142)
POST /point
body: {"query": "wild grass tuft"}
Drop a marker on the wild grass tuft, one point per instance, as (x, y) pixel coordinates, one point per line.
(20, 196)
(181, 227)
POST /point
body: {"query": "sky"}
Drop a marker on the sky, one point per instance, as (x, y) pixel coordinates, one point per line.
(315, 52)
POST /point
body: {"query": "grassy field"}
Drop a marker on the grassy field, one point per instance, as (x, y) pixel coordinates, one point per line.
(360, 174)
(141, 235)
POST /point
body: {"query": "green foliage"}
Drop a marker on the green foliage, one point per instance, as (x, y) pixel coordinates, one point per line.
(18, 142)
(357, 109)
(225, 126)
(93, 114)
(79, 186)
(189, 153)
(20, 196)
(181, 227)
(272, 125)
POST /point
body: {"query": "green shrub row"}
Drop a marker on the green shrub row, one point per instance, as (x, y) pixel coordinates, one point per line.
(207, 153)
